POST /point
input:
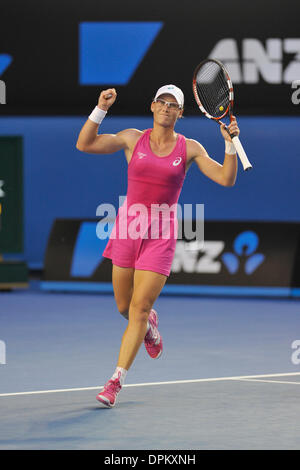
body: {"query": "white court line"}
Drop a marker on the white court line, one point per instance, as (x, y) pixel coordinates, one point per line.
(270, 381)
(213, 379)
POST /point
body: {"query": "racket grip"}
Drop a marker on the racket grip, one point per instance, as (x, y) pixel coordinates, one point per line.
(241, 153)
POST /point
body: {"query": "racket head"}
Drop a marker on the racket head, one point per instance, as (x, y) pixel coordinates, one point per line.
(213, 89)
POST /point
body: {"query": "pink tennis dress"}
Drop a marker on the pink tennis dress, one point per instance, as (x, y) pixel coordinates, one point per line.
(145, 230)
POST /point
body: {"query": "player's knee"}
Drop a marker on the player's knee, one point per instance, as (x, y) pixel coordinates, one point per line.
(139, 310)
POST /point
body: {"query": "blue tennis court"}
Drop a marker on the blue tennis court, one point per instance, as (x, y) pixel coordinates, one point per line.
(228, 377)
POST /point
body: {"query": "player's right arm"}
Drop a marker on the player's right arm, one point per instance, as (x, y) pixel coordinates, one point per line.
(89, 141)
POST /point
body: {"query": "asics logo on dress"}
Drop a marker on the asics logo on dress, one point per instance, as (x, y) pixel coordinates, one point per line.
(141, 155)
(177, 161)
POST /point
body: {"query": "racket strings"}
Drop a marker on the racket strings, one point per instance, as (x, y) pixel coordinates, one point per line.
(212, 89)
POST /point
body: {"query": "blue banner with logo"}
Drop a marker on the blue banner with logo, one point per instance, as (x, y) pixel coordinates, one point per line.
(240, 258)
(236, 258)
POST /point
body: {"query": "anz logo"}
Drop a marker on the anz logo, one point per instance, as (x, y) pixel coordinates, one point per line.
(111, 52)
(244, 245)
(243, 257)
(5, 61)
(88, 249)
(274, 60)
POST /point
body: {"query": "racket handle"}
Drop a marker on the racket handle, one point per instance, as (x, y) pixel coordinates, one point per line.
(241, 153)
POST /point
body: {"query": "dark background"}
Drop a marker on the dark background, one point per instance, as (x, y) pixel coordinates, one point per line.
(42, 37)
(47, 106)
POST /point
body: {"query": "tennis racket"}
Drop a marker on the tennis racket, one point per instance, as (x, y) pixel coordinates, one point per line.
(213, 91)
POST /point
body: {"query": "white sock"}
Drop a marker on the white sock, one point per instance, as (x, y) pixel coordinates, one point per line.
(120, 374)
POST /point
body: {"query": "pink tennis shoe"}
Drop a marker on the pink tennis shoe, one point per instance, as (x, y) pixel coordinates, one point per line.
(154, 346)
(153, 340)
(108, 395)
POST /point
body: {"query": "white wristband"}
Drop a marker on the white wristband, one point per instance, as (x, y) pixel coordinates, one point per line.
(97, 115)
(229, 148)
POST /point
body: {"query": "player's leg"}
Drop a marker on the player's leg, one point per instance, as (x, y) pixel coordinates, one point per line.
(122, 281)
(146, 289)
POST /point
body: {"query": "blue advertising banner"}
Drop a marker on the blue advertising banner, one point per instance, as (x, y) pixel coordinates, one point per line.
(237, 258)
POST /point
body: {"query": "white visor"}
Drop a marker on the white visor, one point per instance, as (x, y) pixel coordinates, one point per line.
(171, 90)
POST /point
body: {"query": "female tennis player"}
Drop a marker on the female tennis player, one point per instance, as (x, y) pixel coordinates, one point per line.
(158, 160)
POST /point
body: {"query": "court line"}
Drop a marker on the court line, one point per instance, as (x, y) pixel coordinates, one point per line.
(270, 381)
(212, 379)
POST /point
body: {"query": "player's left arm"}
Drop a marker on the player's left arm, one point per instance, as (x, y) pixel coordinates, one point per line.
(224, 174)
